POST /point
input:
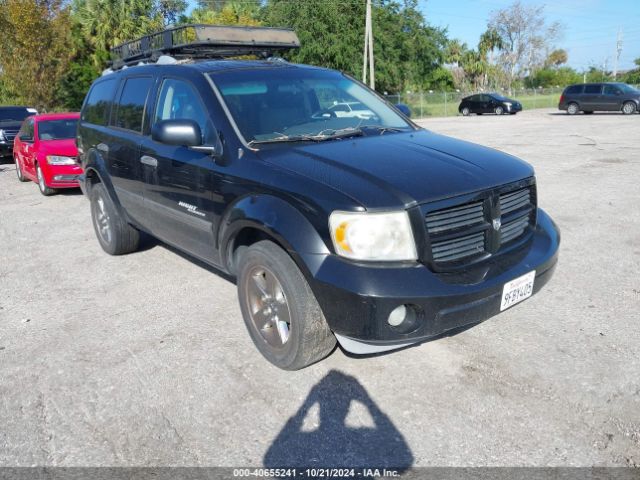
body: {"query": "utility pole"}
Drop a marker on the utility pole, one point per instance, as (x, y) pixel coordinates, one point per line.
(618, 53)
(604, 68)
(368, 49)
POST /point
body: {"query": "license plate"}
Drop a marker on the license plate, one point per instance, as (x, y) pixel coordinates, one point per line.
(517, 290)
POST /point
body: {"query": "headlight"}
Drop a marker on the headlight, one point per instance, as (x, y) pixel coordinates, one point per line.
(58, 160)
(373, 236)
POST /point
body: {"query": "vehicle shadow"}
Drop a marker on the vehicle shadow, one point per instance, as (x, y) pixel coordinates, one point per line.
(594, 114)
(333, 443)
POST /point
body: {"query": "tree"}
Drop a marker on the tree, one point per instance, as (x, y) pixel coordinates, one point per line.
(35, 51)
(526, 38)
(556, 58)
(227, 13)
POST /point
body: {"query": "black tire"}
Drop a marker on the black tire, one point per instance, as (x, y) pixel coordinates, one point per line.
(19, 173)
(42, 184)
(498, 110)
(573, 108)
(308, 337)
(465, 111)
(629, 108)
(115, 235)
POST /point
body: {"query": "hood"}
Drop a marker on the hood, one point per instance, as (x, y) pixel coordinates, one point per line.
(400, 169)
(65, 148)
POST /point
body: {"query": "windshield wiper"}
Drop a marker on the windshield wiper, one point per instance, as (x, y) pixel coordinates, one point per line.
(327, 134)
(382, 129)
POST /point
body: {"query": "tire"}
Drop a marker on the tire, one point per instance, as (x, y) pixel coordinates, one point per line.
(272, 290)
(465, 111)
(573, 108)
(498, 110)
(19, 173)
(115, 235)
(628, 108)
(42, 185)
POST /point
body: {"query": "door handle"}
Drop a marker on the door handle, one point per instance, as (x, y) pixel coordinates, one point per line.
(152, 162)
(103, 148)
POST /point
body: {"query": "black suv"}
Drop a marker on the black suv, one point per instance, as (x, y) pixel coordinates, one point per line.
(374, 232)
(10, 121)
(592, 97)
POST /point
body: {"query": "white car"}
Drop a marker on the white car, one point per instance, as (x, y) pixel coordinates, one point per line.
(351, 110)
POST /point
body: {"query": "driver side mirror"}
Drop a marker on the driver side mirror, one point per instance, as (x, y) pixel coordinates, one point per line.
(406, 111)
(184, 133)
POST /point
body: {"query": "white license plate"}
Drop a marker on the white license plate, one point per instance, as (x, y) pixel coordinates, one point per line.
(517, 290)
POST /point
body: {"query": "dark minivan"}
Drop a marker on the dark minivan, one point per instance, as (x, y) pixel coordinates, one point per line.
(371, 232)
(594, 97)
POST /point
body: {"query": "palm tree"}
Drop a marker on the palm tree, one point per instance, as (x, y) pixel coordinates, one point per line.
(490, 40)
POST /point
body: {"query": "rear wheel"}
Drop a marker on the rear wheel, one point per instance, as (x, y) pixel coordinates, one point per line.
(573, 108)
(42, 184)
(279, 309)
(498, 110)
(628, 108)
(465, 111)
(19, 173)
(115, 235)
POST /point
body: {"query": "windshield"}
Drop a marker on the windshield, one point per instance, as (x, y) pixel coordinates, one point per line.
(627, 88)
(57, 129)
(300, 104)
(15, 114)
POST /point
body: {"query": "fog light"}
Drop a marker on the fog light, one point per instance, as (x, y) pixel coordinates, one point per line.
(397, 316)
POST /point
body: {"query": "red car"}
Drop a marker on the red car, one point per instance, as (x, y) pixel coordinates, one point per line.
(45, 151)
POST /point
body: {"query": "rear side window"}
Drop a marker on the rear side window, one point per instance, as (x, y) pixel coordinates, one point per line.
(573, 89)
(98, 104)
(132, 102)
(593, 89)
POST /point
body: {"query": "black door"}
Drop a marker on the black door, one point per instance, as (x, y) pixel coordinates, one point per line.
(181, 184)
(611, 98)
(122, 145)
(591, 99)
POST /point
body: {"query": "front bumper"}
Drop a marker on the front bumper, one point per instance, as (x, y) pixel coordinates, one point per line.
(62, 176)
(357, 298)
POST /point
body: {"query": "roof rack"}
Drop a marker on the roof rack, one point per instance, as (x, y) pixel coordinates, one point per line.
(199, 41)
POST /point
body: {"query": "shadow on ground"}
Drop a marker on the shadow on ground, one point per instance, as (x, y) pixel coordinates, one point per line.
(331, 441)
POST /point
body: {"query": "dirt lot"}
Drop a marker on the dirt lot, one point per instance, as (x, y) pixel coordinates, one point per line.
(144, 359)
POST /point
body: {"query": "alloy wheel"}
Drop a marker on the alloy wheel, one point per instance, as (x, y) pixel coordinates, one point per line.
(268, 307)
(41, 184)
(102, 220)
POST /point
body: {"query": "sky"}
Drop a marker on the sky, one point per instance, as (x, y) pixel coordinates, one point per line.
(589, 33)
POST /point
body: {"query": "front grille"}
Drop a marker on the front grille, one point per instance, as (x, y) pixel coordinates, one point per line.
(477, 229)
(10, 134)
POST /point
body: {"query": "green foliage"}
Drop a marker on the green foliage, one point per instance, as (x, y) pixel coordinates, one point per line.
(553, 77)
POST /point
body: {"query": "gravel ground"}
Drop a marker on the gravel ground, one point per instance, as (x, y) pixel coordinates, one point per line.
(144, 359)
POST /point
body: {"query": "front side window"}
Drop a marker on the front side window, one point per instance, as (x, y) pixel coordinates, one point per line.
(27, 130)
(179, 100)
(132, 101)
(593, 89)
(98, 104)
(57, 129)
(298, 104)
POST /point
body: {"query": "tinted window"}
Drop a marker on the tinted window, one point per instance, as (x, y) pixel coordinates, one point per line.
(98, 104)
(15, 114)
(593, 89)
(574, 89)
(179, 100)
(611, 90)
(339, 108)
(131, 104)
(26, 131)
(57, 129)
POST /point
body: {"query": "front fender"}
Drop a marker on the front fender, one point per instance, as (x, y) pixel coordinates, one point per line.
(96, 165)
(278, 219)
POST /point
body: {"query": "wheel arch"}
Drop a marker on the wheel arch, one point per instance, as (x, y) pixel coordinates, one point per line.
(267, 217)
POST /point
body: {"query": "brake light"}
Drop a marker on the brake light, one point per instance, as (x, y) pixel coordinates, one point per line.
(561, 97)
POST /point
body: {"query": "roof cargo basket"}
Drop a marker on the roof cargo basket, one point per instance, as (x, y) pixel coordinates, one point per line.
(200, 41)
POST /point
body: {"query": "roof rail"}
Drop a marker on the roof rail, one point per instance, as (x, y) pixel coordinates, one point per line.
(199, 41)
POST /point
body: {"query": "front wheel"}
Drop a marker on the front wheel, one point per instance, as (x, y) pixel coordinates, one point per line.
(42, 184)
(279, 309)
(628, 108)
(19, 173)
(115, 235)
(499, 110)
